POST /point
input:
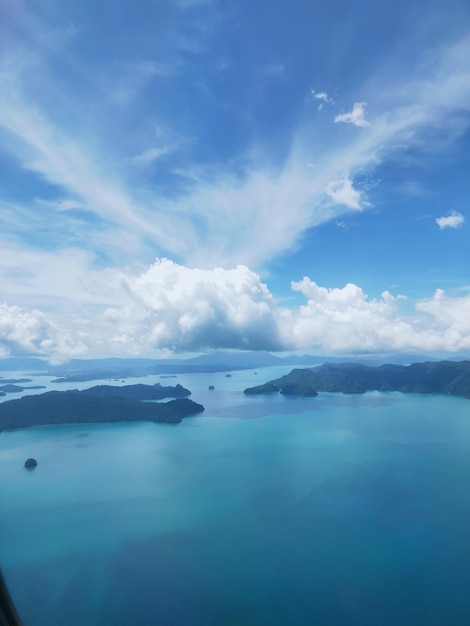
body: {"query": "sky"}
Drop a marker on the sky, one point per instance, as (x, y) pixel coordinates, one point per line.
(179, 176)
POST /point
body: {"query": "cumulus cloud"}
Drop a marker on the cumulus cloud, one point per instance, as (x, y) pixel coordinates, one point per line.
(356, 116)
(453, 220)
(342, 192)
(192, 309)
(31, 333)
(346, 320)
(450, 319)
(23, 331)
(173, 307)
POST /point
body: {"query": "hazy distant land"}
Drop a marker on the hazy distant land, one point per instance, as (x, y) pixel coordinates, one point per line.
(11, 388)
(99, 404)
(438, 377)
(82, 370)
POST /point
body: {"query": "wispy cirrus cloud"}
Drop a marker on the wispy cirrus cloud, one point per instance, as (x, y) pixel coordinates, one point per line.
(221, 212)
(221, 217)
(150, 155)
(215, 216)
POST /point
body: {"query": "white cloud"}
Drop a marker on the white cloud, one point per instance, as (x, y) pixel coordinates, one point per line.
(66, 282)
(172, 307)
(453, 220)
(322, 97)
(64, 204)
(342, 192)
(221, 215)
(151, 155)
(192, 309)
(356, 116)
(62, 161)
(30, 332)
(345, 319)
(23, 331)
(448, 311)
(215, 218)
(121, 312)
(450, 320)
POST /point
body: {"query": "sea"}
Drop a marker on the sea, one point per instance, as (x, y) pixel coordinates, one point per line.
(339, 510)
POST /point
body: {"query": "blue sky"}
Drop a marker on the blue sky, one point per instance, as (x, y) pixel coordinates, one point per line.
(187, 175)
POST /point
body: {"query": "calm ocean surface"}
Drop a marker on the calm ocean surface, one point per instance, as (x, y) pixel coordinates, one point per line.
(337, 510)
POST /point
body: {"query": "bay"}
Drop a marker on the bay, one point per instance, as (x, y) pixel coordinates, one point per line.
(263, 510)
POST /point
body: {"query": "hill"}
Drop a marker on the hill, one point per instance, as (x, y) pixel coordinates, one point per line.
(96, 405)
(430, 377)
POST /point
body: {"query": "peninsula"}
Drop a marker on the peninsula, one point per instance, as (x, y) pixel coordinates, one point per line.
(104, 403)
(447, 377)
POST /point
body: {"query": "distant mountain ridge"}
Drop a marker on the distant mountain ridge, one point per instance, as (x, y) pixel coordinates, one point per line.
(429, 377)
(79, 370)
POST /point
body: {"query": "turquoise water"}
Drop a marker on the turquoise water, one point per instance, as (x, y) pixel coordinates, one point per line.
(337, 510)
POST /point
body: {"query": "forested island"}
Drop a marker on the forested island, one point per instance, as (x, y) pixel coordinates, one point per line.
(447, 377)
(104, 403)
(11, 388)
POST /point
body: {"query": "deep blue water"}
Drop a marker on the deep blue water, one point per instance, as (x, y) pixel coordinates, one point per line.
(337, 510)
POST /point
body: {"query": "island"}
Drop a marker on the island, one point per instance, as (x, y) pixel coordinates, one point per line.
(300, 382)
(449, 377)
(11, 388)
(104, 403)
(140, 391)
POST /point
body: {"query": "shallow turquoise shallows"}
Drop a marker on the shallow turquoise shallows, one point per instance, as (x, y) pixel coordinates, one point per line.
(266, 511)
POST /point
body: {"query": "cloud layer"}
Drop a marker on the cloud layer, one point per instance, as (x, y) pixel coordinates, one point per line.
(247, 209)
(172, 307)
(176, 135)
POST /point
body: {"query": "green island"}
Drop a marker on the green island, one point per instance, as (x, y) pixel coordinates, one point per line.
(104, 403)
(447, 377)
(11, 388)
